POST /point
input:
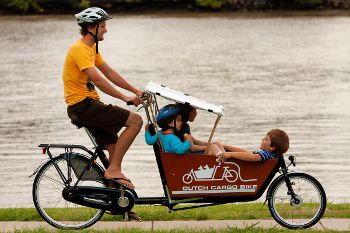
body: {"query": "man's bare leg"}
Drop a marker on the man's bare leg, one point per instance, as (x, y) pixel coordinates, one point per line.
(117, 151)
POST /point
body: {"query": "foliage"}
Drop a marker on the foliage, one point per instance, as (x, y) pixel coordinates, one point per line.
(82, 4)
(310, 2)
(25, 5)
(42, 6)
(214, 4)
(68, 6)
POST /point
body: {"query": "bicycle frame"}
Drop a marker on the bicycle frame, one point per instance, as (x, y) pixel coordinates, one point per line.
(174, 195)
(98, 153)
(198, 180)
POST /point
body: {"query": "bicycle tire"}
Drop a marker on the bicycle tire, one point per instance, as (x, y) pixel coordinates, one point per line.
(291, 214)
(47, 193)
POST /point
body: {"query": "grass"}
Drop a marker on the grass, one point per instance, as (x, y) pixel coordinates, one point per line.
(160, 213)
(227, 230)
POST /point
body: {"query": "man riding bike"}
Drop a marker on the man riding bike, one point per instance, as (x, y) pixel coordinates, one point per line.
(85, 109)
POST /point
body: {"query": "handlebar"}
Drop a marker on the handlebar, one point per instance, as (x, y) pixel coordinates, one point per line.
(143, 98)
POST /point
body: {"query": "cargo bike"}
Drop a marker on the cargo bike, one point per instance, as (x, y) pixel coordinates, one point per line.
(71, 184)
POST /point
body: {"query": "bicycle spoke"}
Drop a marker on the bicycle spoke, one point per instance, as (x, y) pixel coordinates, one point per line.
(48, 199)
(304, 209)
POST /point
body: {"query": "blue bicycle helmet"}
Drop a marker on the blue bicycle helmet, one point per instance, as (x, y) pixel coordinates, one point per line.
(166, 113)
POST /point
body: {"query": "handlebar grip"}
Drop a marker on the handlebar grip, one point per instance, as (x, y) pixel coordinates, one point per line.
(129, 103)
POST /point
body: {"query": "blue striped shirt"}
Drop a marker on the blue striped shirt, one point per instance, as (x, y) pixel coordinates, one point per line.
(266, 155)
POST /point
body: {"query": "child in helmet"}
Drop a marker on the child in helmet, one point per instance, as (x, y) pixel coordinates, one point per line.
(169, 120)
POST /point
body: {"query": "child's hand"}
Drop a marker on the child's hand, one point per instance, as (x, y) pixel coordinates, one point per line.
(220, 158)
(147, 126)
(187, 137)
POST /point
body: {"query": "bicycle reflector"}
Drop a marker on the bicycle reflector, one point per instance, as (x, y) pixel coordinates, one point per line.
(44, 150)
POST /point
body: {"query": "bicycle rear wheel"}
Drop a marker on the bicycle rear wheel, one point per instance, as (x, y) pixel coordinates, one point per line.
(48, 186)
(305, 210)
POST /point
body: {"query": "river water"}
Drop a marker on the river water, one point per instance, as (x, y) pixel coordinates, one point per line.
(267, 72)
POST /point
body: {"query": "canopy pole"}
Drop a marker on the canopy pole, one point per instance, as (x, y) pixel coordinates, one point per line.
(212, 132)
(149, 100)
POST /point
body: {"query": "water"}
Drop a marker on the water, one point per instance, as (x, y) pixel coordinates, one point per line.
(268, 72)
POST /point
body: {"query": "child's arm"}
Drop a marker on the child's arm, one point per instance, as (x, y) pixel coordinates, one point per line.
(194, 147)
(179, 147)
(243, 155)
(234, 149)
(199, 142)
(150, 140)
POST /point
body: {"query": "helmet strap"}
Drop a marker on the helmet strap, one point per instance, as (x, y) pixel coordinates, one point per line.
(175, 130)
(95, 36)
(96, 39)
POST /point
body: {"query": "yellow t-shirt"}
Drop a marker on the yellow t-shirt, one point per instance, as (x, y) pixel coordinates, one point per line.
(77, 85)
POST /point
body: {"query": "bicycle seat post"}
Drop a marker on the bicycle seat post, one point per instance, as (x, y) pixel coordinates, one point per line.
(91, 137)
(98, 152)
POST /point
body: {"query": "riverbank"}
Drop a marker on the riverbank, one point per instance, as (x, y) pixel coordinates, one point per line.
(142, 6)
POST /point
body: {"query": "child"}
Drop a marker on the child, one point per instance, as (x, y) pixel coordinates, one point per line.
(169, 120)
(274, 144)
(189, 114)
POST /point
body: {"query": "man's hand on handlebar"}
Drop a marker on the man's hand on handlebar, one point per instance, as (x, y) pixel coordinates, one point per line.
(133, 100)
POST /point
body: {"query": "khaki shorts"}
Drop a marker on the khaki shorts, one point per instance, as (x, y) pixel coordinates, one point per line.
(103, 121)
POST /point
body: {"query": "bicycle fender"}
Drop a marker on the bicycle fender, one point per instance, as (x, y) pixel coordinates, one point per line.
(47, 160)
(276, 180)
(38, 168)
(42, 164)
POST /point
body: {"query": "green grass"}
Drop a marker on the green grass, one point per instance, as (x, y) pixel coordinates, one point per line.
(227, 230)
(160, 213)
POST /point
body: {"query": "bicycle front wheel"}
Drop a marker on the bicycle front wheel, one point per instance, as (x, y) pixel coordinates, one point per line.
(303, 211)
(47, 192)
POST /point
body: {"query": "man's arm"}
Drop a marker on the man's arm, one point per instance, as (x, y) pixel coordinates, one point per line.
(106, 87)
(117, 79)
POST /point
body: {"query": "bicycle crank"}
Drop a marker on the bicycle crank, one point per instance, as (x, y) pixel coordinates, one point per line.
(100, 198)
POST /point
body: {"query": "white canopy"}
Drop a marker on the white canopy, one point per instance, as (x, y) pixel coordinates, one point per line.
(180, 97)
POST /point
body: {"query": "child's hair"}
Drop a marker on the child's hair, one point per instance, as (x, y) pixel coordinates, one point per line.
(165, 124)
(185, 111)
(279, 140)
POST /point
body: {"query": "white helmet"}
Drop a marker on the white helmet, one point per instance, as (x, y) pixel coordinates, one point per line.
(92, 15)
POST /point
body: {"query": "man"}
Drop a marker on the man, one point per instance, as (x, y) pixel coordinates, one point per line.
(80, 77)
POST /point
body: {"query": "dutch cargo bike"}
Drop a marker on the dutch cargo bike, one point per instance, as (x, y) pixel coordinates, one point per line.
(73, 180)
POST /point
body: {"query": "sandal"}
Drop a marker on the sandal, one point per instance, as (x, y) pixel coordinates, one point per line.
(113, 181)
